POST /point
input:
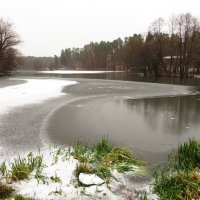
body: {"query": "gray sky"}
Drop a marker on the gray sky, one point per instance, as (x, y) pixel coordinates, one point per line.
(47, 26)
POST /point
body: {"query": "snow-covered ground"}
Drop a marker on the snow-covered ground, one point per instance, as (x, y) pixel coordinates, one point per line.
(31, 92)
(75, 72)
(64, 72)
(61, 166)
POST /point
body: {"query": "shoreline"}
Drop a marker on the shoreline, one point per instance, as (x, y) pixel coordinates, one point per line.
(22, 110)
(60, 164)
(7, 82)
(62, 173)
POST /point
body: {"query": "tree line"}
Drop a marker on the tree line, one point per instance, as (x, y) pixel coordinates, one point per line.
(169, 48)
(37, 63)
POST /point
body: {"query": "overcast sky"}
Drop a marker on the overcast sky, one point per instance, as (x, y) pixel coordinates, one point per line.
(47, 26)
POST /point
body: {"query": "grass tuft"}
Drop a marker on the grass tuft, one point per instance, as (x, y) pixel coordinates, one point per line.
(21, 168)
(104, 172)
(144, 197)
(181, 180)
(102, 158)
(187, 156)
(56, 179)
(58, 191)
(20, 197)
(83, 168)
(3, 168)
(103, 147)
(81, 152)
(179, 186)
(5, 191)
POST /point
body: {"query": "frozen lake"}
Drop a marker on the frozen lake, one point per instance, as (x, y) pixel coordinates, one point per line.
(148, 118)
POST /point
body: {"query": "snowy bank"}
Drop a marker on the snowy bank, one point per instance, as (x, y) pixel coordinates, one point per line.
(76, 72)
(53, 176)
(58, 181)
(31, 92)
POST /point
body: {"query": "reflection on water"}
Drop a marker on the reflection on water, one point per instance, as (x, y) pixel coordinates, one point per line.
(151, 127)
(169, 115)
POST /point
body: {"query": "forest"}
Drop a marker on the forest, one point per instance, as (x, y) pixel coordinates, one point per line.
(168, 49)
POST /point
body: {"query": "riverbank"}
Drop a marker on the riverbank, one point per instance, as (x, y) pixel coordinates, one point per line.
(78, 173)
(23, 108)
(5, 82)
(103, 171)
(30, 91)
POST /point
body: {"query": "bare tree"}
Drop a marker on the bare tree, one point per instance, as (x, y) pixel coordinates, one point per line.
(187, 30)
(172, 45)
(156, 29)
(8, 53)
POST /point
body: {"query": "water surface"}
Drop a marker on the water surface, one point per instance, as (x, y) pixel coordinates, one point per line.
(149, 119)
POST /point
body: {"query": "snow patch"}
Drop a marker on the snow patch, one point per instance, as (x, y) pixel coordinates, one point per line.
(62, 168)
(59, 163)
(31, 92)
(75, 72)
